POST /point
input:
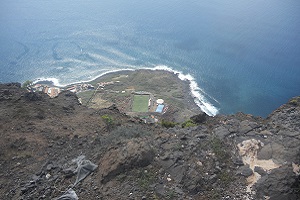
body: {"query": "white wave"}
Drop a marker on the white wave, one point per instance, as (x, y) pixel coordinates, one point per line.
(195, 90)
(55, 81)
(102, 74)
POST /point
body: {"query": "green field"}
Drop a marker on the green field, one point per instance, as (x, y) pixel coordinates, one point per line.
(140, 103)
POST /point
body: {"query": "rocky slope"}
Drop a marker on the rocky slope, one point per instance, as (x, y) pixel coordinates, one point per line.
(43, 142)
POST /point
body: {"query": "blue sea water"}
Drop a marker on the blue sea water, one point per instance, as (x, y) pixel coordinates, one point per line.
(243, 55)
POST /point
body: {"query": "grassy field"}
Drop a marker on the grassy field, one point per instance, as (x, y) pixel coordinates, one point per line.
(140, 103)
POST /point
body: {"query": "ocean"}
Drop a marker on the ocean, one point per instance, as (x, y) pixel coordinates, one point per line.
(240, 56)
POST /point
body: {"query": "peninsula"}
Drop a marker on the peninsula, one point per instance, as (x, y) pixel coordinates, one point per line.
(141, 92)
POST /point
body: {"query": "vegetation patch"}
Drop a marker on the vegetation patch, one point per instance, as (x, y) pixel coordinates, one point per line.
(188, 123)
(168, 124)
(294, 102)
(109, 121)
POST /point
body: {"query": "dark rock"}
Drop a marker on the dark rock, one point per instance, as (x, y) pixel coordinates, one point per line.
(13, 85)
(33, 96)
(113, 108)
(237, 161)
(247, 126)
(177, 172)
(244, 171)
(6, 92)
(201, 136)
(24, 189)
(260, 170)
(192, 182)
(278, 184)
(221, 132)
(200, 118)
(265, 153)
(273, 151)
(135, 153)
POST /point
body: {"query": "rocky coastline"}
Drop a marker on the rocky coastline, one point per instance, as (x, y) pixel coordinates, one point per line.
(57, 148)
(117, 88)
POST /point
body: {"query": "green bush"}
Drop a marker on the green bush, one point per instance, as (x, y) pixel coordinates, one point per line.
(168, 124)
(108, 120)
(294, 102)
(188, 123)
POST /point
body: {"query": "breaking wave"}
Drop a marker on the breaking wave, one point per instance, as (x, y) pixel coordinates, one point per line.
(195, 90)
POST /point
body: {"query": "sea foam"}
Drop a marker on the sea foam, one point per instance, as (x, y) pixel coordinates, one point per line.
(54, 81)
(195, 90)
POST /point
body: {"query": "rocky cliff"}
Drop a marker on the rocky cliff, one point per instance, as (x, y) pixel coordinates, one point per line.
(59, 149)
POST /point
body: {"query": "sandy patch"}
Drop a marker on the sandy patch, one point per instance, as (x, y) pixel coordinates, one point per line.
(248, 150)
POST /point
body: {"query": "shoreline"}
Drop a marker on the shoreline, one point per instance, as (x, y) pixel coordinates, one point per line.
(196, 93)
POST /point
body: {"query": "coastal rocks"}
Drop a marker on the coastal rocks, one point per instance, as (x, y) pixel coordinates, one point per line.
(135, 153)
(200, 118)
(286, 117)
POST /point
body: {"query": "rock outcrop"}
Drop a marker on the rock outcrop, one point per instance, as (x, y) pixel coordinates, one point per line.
(135, 153)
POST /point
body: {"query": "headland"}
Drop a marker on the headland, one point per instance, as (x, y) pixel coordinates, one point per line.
(147, 93)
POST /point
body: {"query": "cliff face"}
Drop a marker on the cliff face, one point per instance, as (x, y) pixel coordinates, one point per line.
(223, 157)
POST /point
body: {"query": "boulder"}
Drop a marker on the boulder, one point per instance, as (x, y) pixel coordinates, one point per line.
(200, 118)
(135, 153)
(273, 151)
(279, 184)
(244, 171)
(260, 170)
(221, 132)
